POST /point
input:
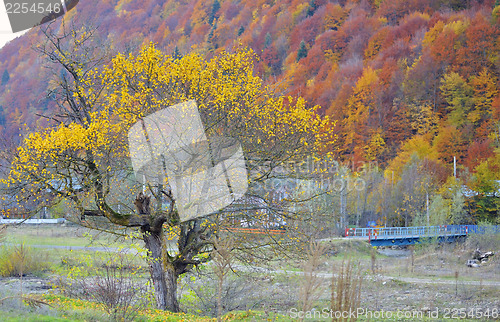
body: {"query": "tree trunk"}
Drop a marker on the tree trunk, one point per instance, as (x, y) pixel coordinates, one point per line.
(163, 276)
(171, 296)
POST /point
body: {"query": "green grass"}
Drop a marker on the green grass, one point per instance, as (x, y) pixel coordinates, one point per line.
(60, 236)
(80, 310)
(80, 316)
(251, 316)
(32, 317)
(57, 241)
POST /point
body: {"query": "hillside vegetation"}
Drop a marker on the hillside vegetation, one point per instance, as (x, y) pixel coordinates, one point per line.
(411, 84)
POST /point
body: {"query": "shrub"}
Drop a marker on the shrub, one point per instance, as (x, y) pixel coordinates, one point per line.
(200, 292)
(19, 260)
(110, 279)
(486, 241)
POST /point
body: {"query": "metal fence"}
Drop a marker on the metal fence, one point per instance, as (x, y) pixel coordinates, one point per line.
(420, 231)
(33, 221)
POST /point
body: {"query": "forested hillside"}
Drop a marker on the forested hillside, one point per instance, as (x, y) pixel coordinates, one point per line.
(403, 79)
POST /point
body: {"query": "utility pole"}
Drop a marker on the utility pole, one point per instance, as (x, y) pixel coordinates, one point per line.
(427, 206)
(454, 166)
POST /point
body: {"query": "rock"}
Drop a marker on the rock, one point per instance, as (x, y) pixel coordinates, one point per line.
(488, 254)
(473, 263)
(480, 256)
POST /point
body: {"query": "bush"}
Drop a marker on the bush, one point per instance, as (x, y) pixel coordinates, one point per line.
(110, 279)
(20, 260)
(200, 293)
(485, 242)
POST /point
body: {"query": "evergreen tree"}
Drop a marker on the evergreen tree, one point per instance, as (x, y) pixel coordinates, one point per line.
(312, 8)
(302, 52)
(215, 8)
(5, 77)
(241, 31)
(177, 54)
(268, 40)
(212, 38)
(211, 34)
(2, 116)
(458, 5)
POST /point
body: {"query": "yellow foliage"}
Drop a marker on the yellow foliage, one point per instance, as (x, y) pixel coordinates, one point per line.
(458, 26)
(375, 44)
(417, 145)
(484, 86)
(433, 33)
(335, 17)
(423, 120)
(300, 8)
(496, 12)
(375, 147)
(418, 14)
(361, 103)
(232, 102)
(120, 4)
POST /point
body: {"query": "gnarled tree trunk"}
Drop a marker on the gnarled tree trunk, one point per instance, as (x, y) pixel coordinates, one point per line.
(166, 269)
(163, 275)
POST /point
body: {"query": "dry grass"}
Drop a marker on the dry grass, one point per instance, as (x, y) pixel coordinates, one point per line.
(346, 289)
(311, 285)
(222, 258)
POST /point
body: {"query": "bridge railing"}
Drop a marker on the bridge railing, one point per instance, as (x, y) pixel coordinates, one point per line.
(407, 232)
(475, 229)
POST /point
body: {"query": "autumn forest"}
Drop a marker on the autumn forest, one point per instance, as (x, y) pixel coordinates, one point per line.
(411, 87)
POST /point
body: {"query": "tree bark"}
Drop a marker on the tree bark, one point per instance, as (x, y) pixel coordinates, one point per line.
(163, 276)
(171, 280)
(163, 273)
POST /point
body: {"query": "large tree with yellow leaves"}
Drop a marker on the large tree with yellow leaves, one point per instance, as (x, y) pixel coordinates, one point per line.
(83, 159)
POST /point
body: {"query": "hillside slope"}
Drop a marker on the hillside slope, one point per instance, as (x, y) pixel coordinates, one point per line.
(388, 71)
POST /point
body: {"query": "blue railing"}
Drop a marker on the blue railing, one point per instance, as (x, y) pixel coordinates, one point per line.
(416, 232)
(475, 229)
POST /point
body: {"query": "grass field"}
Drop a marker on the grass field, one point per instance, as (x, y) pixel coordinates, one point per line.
(60, 236)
